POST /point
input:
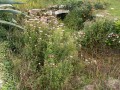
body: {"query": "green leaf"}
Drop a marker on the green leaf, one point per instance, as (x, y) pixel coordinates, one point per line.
(11, 24)
(11, 11)
(5, 5)
(9, 2)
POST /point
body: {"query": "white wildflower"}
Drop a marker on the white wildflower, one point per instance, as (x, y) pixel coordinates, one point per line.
(41, 31)
(40, 38)
(81, 55)
(113, 40)
(45, 34)
(71, 56)
(39, 27)
(86, 60)
(94, 61)
(31, 24)
(53, 64)
(119, 42)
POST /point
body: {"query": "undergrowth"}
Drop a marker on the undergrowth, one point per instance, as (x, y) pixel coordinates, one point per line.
(84, 52)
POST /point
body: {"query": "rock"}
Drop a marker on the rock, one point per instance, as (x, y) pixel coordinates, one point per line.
(44, 19)
(34, 11)
(61, 12)
(50, 12)
(45, 15)
(54, 7)
(62, 6)
(113, 84)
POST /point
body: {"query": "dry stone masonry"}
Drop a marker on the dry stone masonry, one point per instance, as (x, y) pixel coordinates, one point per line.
(48, 15)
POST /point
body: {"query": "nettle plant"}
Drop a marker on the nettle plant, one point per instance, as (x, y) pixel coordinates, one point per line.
(7, 13)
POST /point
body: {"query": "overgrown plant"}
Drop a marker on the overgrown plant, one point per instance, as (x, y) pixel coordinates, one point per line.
(7, 24)
(101, 33)
(3, 33)
(48, 53)
(79, 13)
(50, 58)
(99, 5)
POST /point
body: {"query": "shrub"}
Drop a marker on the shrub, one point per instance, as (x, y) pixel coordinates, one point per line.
(8, 76)
(3, 33)
(117, 26)
(35, 45)
(79, 15)
(73, 4)
(61, 45)
(101, 33)
(15, 41)
(99, 5)
(55, 75)
(73, 20)
(48, 53)
(113, 38)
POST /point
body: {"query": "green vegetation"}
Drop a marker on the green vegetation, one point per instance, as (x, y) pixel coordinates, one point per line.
(80, 50)
(79, 13)
(6, 8)
(104, 32)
